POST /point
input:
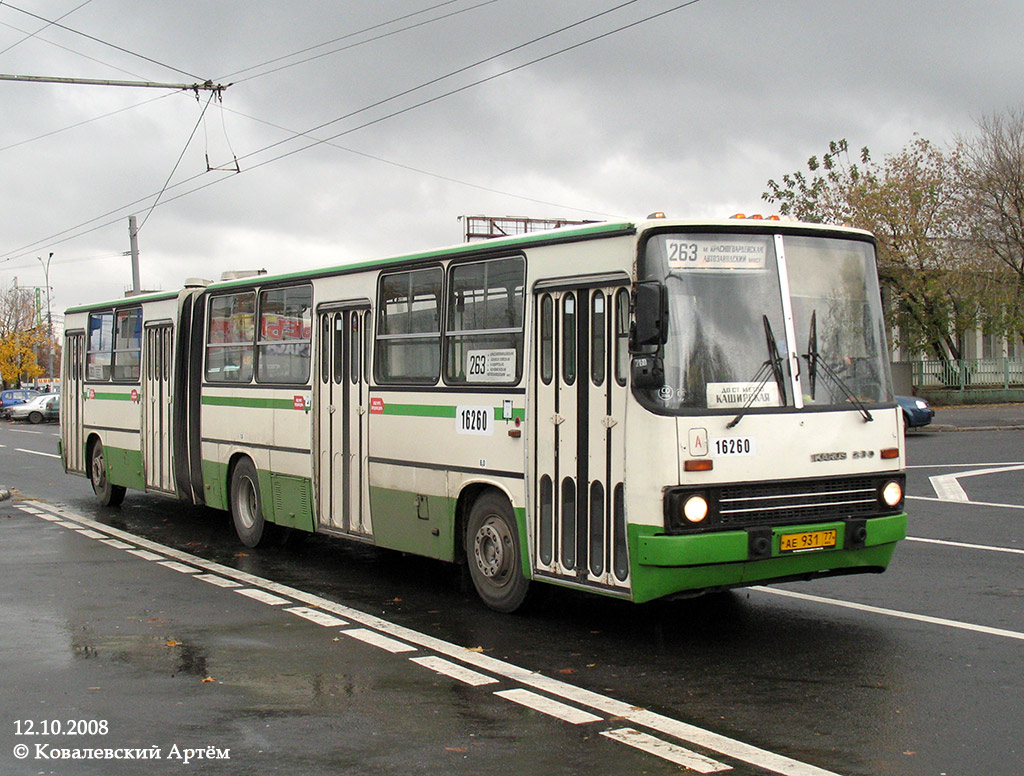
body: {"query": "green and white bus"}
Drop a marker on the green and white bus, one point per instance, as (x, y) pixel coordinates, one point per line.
(641, 409)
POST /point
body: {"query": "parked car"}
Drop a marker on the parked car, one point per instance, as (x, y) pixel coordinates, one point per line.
(45, 407)
(12, 397)
(916, 412)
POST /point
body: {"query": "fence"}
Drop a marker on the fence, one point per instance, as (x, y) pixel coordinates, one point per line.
(967, 373)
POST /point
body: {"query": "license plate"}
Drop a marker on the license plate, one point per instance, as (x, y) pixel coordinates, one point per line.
(810, 540)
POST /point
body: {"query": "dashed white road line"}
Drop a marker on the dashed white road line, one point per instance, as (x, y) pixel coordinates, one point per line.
(453, 670)
(377, 640)
(314, 615)
(262, 596)
(552, 708)
(671, 752)
(213, 579)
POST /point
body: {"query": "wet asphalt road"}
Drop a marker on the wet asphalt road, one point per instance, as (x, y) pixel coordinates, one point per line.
(924, 678)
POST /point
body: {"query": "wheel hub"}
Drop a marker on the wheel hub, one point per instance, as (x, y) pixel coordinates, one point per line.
(489, 549)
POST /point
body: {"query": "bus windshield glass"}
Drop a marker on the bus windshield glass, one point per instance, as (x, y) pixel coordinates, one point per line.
(728, 346)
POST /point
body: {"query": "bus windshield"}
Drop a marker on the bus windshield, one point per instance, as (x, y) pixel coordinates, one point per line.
(729, 346)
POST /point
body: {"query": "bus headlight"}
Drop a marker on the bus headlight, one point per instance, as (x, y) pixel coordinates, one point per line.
(695, 509)
(892, 493)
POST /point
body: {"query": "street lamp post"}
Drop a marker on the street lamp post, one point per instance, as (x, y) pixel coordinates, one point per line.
(49, 314)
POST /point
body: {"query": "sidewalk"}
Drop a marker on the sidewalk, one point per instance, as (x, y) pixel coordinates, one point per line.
(984, 417)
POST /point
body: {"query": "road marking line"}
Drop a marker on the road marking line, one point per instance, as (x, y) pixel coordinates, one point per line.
(972, 503)
(706, 739)
(663, 749)
(36, 452)
(91, 533)
(552, 708)
(947, 486)
(66, 523)
(262, 596)
(453, 670)
(213, 579)
(965, 545)
(117, 544)
(315, 615)
(173, 565)
(378, 640)
(1009, 634)
(32, 510)
(961, 465)
(145, 554)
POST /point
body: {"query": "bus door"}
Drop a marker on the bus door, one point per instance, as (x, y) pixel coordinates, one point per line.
(157, 365)
(342, 421)
(72, 381)
(580, 390)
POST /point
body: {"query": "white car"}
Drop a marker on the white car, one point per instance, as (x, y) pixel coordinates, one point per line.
(45, 407)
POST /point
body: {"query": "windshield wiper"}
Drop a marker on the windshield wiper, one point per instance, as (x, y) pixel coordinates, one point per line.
(770, 368)
(814, 360)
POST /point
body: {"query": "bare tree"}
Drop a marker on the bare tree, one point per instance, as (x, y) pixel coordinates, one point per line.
(991, 166)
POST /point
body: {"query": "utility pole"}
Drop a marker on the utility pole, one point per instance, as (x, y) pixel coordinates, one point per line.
(49, 315)
(133, 239)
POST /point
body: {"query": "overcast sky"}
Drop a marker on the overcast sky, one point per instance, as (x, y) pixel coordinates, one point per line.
(690, 113)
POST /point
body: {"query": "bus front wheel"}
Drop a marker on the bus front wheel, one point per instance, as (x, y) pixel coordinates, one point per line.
(247, 506)
(493, 554)
(109, 495)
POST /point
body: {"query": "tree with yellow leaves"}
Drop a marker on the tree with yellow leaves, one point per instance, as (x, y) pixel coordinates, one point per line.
(20, 335)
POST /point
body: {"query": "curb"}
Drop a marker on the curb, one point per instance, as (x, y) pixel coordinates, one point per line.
(942, 427)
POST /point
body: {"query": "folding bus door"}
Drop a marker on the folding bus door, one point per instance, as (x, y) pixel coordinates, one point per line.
(72, 379)
(341, 407)
(579, 449)
(157, 358)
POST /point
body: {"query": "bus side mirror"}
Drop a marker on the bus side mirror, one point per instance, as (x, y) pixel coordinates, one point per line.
(650, 310)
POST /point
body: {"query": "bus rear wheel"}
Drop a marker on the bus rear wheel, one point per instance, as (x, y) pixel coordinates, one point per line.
(247, 506)
(493, 554)
(109, 495)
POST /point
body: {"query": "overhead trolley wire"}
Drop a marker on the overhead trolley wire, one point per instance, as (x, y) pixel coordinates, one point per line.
(53, 238)
(30, 35)
(103, 42)
(234, 75)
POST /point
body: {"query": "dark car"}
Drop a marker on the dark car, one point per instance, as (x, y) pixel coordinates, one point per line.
(916, 412)
(12, 397)
(44, 407)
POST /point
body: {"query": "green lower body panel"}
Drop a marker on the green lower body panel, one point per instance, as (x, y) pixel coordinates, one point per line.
(663, 565)
(413, 522)
(124, 467)
(286, 500)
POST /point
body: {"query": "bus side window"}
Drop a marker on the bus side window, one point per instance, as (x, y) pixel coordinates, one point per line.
(408, 344)
(484, 321)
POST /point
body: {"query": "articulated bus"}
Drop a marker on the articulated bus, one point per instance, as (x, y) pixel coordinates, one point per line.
(641, 409)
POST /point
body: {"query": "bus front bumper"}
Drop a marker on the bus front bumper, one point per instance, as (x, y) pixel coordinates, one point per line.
(668, 564)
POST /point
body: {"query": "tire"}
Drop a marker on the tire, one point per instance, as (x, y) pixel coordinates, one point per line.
(247, 505)
(35, 417)
(494, 555)
(109, 495)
